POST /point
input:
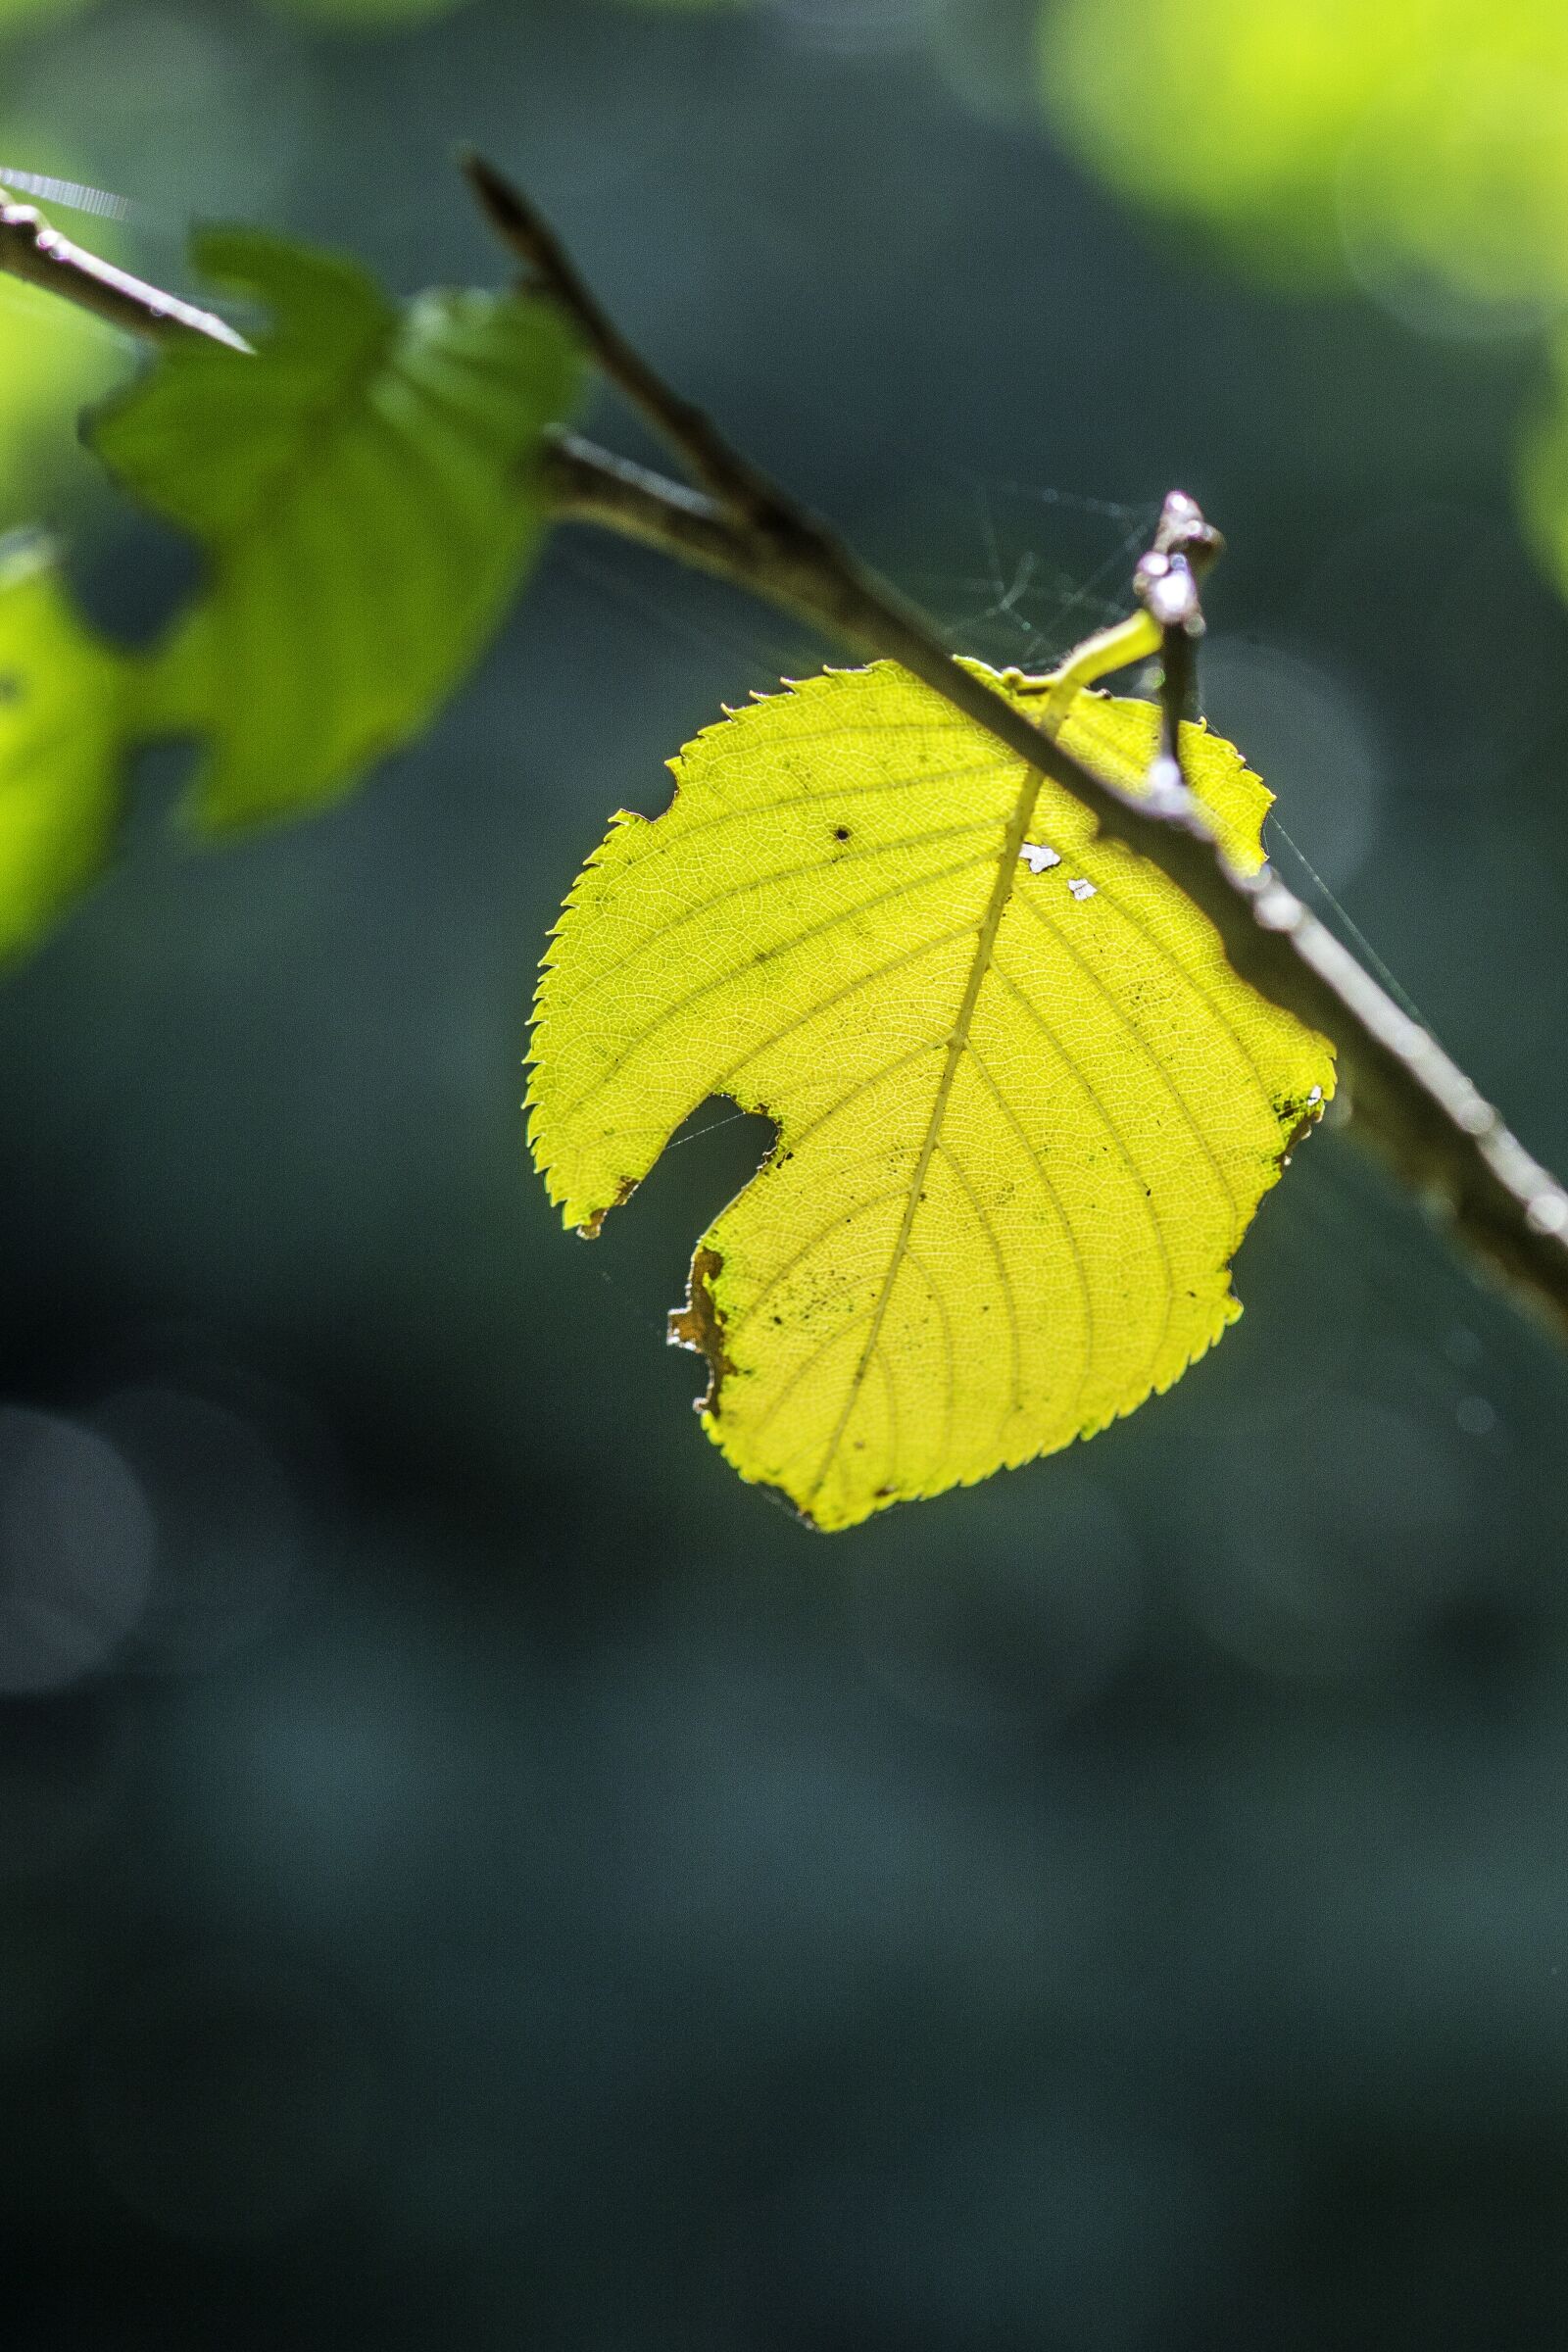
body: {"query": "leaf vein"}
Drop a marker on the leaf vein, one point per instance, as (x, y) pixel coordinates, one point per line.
(769, 955)
(1135, 1173)
(1131, 1029)
(765, 882)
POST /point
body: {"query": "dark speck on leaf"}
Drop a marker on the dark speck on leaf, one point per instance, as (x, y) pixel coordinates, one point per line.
(841, 832)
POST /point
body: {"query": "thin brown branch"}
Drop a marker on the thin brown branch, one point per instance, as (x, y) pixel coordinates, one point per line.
(549, 269)
(584, 483)
(1409, 1101)
(1166, 585)
(31, 250)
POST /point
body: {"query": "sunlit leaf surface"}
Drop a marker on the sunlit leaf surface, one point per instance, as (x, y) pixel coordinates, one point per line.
(1025, 1111)
(362, 489)
(61, 721)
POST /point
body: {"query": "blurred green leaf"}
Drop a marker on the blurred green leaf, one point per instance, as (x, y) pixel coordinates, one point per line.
(366, 14)
(19, 16)
(1542, 473)
(53, 361)
(1422, 144)
(1418, 149)
(345, 16)
(61, 732)
(361, 490)
(369, 15)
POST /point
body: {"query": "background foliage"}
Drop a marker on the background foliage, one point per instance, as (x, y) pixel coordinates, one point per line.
(468, 1870)
(1421, 155)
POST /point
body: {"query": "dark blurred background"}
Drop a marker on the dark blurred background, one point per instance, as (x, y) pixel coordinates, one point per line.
(471, 1872)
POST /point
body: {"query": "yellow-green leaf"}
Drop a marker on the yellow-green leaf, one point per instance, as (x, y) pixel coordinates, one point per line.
(1025, 1109)
(366, 490)
(61, 707)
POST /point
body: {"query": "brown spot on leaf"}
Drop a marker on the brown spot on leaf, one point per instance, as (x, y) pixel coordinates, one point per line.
(696, 1325)
(1307, 1116)
(595, 1225)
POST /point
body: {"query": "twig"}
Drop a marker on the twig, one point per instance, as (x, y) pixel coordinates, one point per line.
(1166, 585)
(31, 250)
(549, 269)
(1409, 1101)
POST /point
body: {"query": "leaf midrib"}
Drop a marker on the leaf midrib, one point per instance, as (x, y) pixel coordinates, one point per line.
(957, 1046)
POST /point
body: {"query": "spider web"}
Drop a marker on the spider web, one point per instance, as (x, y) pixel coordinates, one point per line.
(1030, 571)
(1018, 606)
